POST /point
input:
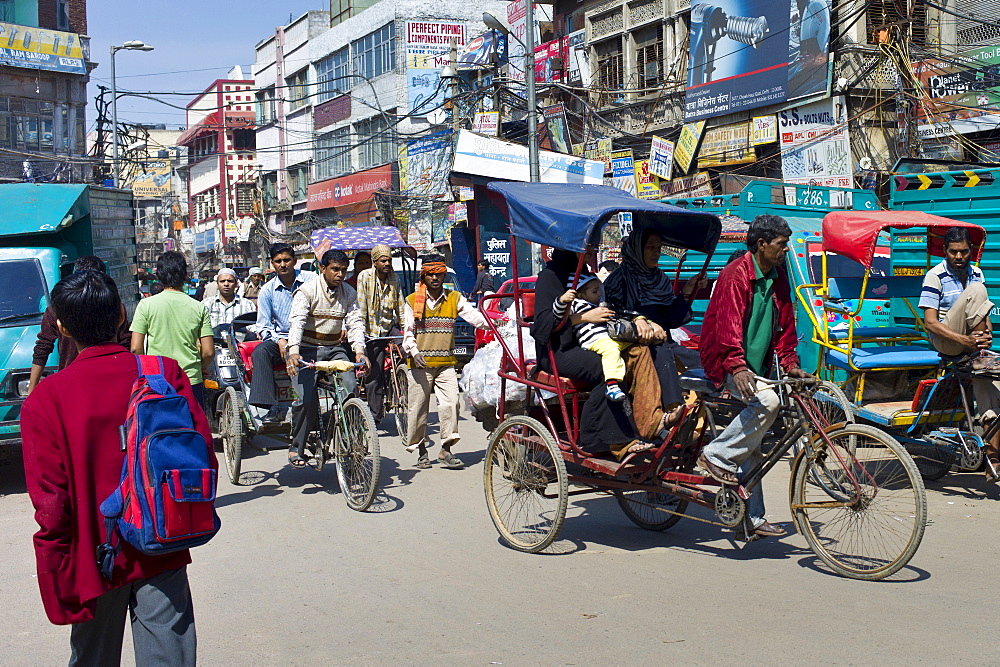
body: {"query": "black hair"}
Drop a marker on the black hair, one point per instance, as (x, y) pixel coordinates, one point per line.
(433, 258)
(484, 262)
(155, 289)
(609, 265)
(171, 269)
(766, 228)
(735, 256)
(279, 248)
(957, 235)
(362, 252)
(88, 305)
(90, 263)
(333, 255)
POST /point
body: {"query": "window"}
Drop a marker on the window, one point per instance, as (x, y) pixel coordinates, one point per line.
(244, 140)
(375, 142)
(265, 106)
(297, 92)
(62, 15)
(649, 57)
(375, 53)
(270, 189)
(298, 183)
(206, 204)
(245, 194)
(333, 154)
(333, 74)
(7, 11)
(609, 59)
(32, 125)
(204, 146)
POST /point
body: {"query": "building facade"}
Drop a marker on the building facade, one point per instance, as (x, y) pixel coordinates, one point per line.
(44, 70)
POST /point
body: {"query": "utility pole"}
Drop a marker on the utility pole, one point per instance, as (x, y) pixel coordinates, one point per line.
(453, 61)
(529, 82)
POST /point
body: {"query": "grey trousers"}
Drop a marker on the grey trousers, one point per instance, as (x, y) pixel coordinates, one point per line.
(305, 409)
(162, 618)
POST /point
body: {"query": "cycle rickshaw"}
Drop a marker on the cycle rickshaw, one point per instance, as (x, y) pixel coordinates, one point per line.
(932, 412)
(855, 493)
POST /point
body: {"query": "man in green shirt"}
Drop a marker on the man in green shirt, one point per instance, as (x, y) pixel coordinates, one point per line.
(172, 324)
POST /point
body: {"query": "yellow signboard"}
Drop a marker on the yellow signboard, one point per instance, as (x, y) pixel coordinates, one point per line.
(647, 184)
(765, 130)
(38, 48)
(687, 144)
(726, 144)
(152, 181)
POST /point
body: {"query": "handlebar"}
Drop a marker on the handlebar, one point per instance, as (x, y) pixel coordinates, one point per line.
(391, 339)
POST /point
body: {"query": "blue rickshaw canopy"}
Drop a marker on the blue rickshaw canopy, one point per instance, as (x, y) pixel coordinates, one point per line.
(570, 216)
(355, 238)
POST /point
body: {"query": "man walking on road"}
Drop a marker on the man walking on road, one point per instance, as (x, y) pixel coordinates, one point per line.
(227, 305)
(324, 314)
(381, 303)
(429, 339)
(957, 317)
(484, 281)
(72, 462)
(749, 319)
(274, 306)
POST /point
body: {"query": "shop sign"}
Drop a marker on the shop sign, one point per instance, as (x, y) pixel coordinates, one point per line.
(647, 184)
(40, 48)
(623, 171)
(349, 189)
(687, 144)
(764, 130)
(428, 47)
(696, 185)
(487, 156)
(961, 93)
(815, 146)
(726, 144)
(230, 229)
(153, 181)
(661, 157)
(486, 122)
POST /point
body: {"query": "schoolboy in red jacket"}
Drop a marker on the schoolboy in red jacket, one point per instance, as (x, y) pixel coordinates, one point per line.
(72, 462)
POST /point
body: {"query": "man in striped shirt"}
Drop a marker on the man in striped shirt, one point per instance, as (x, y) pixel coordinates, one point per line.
(956, 315)
(274, 307)
(227, 305)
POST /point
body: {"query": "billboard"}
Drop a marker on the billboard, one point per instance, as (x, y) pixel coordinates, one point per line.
(746, 54)
(558, 128)
(152, 181)
(40, 48)
(349, 189)
(726, 144)
(661, 157)
(961, 94)
(488, 156)
(425, 164)
(428, 46)
(623, 171)
(815, 146)
(550, 60)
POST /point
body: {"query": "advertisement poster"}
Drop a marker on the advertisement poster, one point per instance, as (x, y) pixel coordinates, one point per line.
(661, 157)
(41, 48)
(418, 234)
(153, 181)
(962, 93)
(687, 144)
(623, 171)
(647, 184)
(696, 185)
(545, 63)
(555, 120)
(486, 122)
(764, 130)
(428, 161)
(746, 54)
(428, 46)
(599, 150)
(578, 65)
(488, 156)
(815, 147)
(517, 15)
(726, 144)
(486, 50)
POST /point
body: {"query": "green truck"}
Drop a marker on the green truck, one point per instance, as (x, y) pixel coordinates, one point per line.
(44, 228)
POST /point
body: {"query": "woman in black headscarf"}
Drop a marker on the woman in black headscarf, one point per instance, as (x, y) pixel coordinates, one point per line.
(640, 289)
(604, 425)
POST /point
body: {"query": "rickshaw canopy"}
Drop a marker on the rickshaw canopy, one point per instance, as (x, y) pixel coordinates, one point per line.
(854, 234)
(355, 238)
(570, 216)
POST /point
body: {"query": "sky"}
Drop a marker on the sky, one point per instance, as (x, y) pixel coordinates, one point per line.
(188, 35)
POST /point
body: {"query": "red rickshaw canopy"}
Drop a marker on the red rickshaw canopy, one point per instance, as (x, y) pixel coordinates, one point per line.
(854, 234)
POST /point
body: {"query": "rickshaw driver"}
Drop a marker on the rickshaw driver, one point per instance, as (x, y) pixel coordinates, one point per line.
(750, 317)
(956, 315)
(381, 303)
(323, 310)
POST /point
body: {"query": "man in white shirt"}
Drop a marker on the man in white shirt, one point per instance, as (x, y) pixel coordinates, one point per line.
(227, 305)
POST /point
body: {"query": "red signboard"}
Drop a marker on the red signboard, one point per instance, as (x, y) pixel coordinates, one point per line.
(349, 189)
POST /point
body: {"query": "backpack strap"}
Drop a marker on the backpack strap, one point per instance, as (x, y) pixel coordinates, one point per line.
(151, 367)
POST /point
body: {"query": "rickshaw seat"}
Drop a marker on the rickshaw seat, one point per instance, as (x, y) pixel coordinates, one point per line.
(879, 358)
(246, 352)
(538, 375)
(694, 379)
(877, 332)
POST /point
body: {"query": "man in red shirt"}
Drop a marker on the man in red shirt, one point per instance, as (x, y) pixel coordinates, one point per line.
(72, 462)
(750, 319)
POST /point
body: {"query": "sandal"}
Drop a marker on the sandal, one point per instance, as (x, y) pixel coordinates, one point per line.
(450, 461)
(424, 461)
(295, 460)
(992, 470)
(717, 473)
(639, 446)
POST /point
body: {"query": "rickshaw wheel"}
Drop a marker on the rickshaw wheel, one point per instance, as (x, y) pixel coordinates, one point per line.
(233, 432)
(933, 460)
(358, 458)
(866, 532)
(526, 484)
(400, 402)
(641, 507)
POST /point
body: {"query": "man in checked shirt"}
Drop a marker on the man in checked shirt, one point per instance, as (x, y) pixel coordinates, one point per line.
(380, 301)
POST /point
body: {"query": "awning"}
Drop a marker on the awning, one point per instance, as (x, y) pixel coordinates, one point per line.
(355, 238)
(33, 208)
(216, 121)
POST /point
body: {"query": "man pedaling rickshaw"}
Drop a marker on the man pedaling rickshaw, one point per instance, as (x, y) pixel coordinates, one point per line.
(324, 313)
(957, 316)
(749, 319)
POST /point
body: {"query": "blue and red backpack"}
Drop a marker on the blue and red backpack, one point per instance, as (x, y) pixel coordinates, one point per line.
(165, 501)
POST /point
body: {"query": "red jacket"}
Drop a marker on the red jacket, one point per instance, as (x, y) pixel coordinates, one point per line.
(725, 321)
(72, 462)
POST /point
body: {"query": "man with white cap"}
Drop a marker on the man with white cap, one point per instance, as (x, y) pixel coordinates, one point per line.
(251, 288)
(227, 305)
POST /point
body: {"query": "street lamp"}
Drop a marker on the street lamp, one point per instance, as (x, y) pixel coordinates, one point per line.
(493, 23)
(131, 45)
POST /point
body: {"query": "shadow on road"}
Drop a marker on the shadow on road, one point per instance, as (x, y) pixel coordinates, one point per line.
(970, 485)
(248, 495)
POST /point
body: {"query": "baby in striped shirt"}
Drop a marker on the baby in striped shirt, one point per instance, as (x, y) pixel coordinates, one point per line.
(594, 336)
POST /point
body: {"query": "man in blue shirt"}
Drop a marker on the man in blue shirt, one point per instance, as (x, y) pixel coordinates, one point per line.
(274, 306)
